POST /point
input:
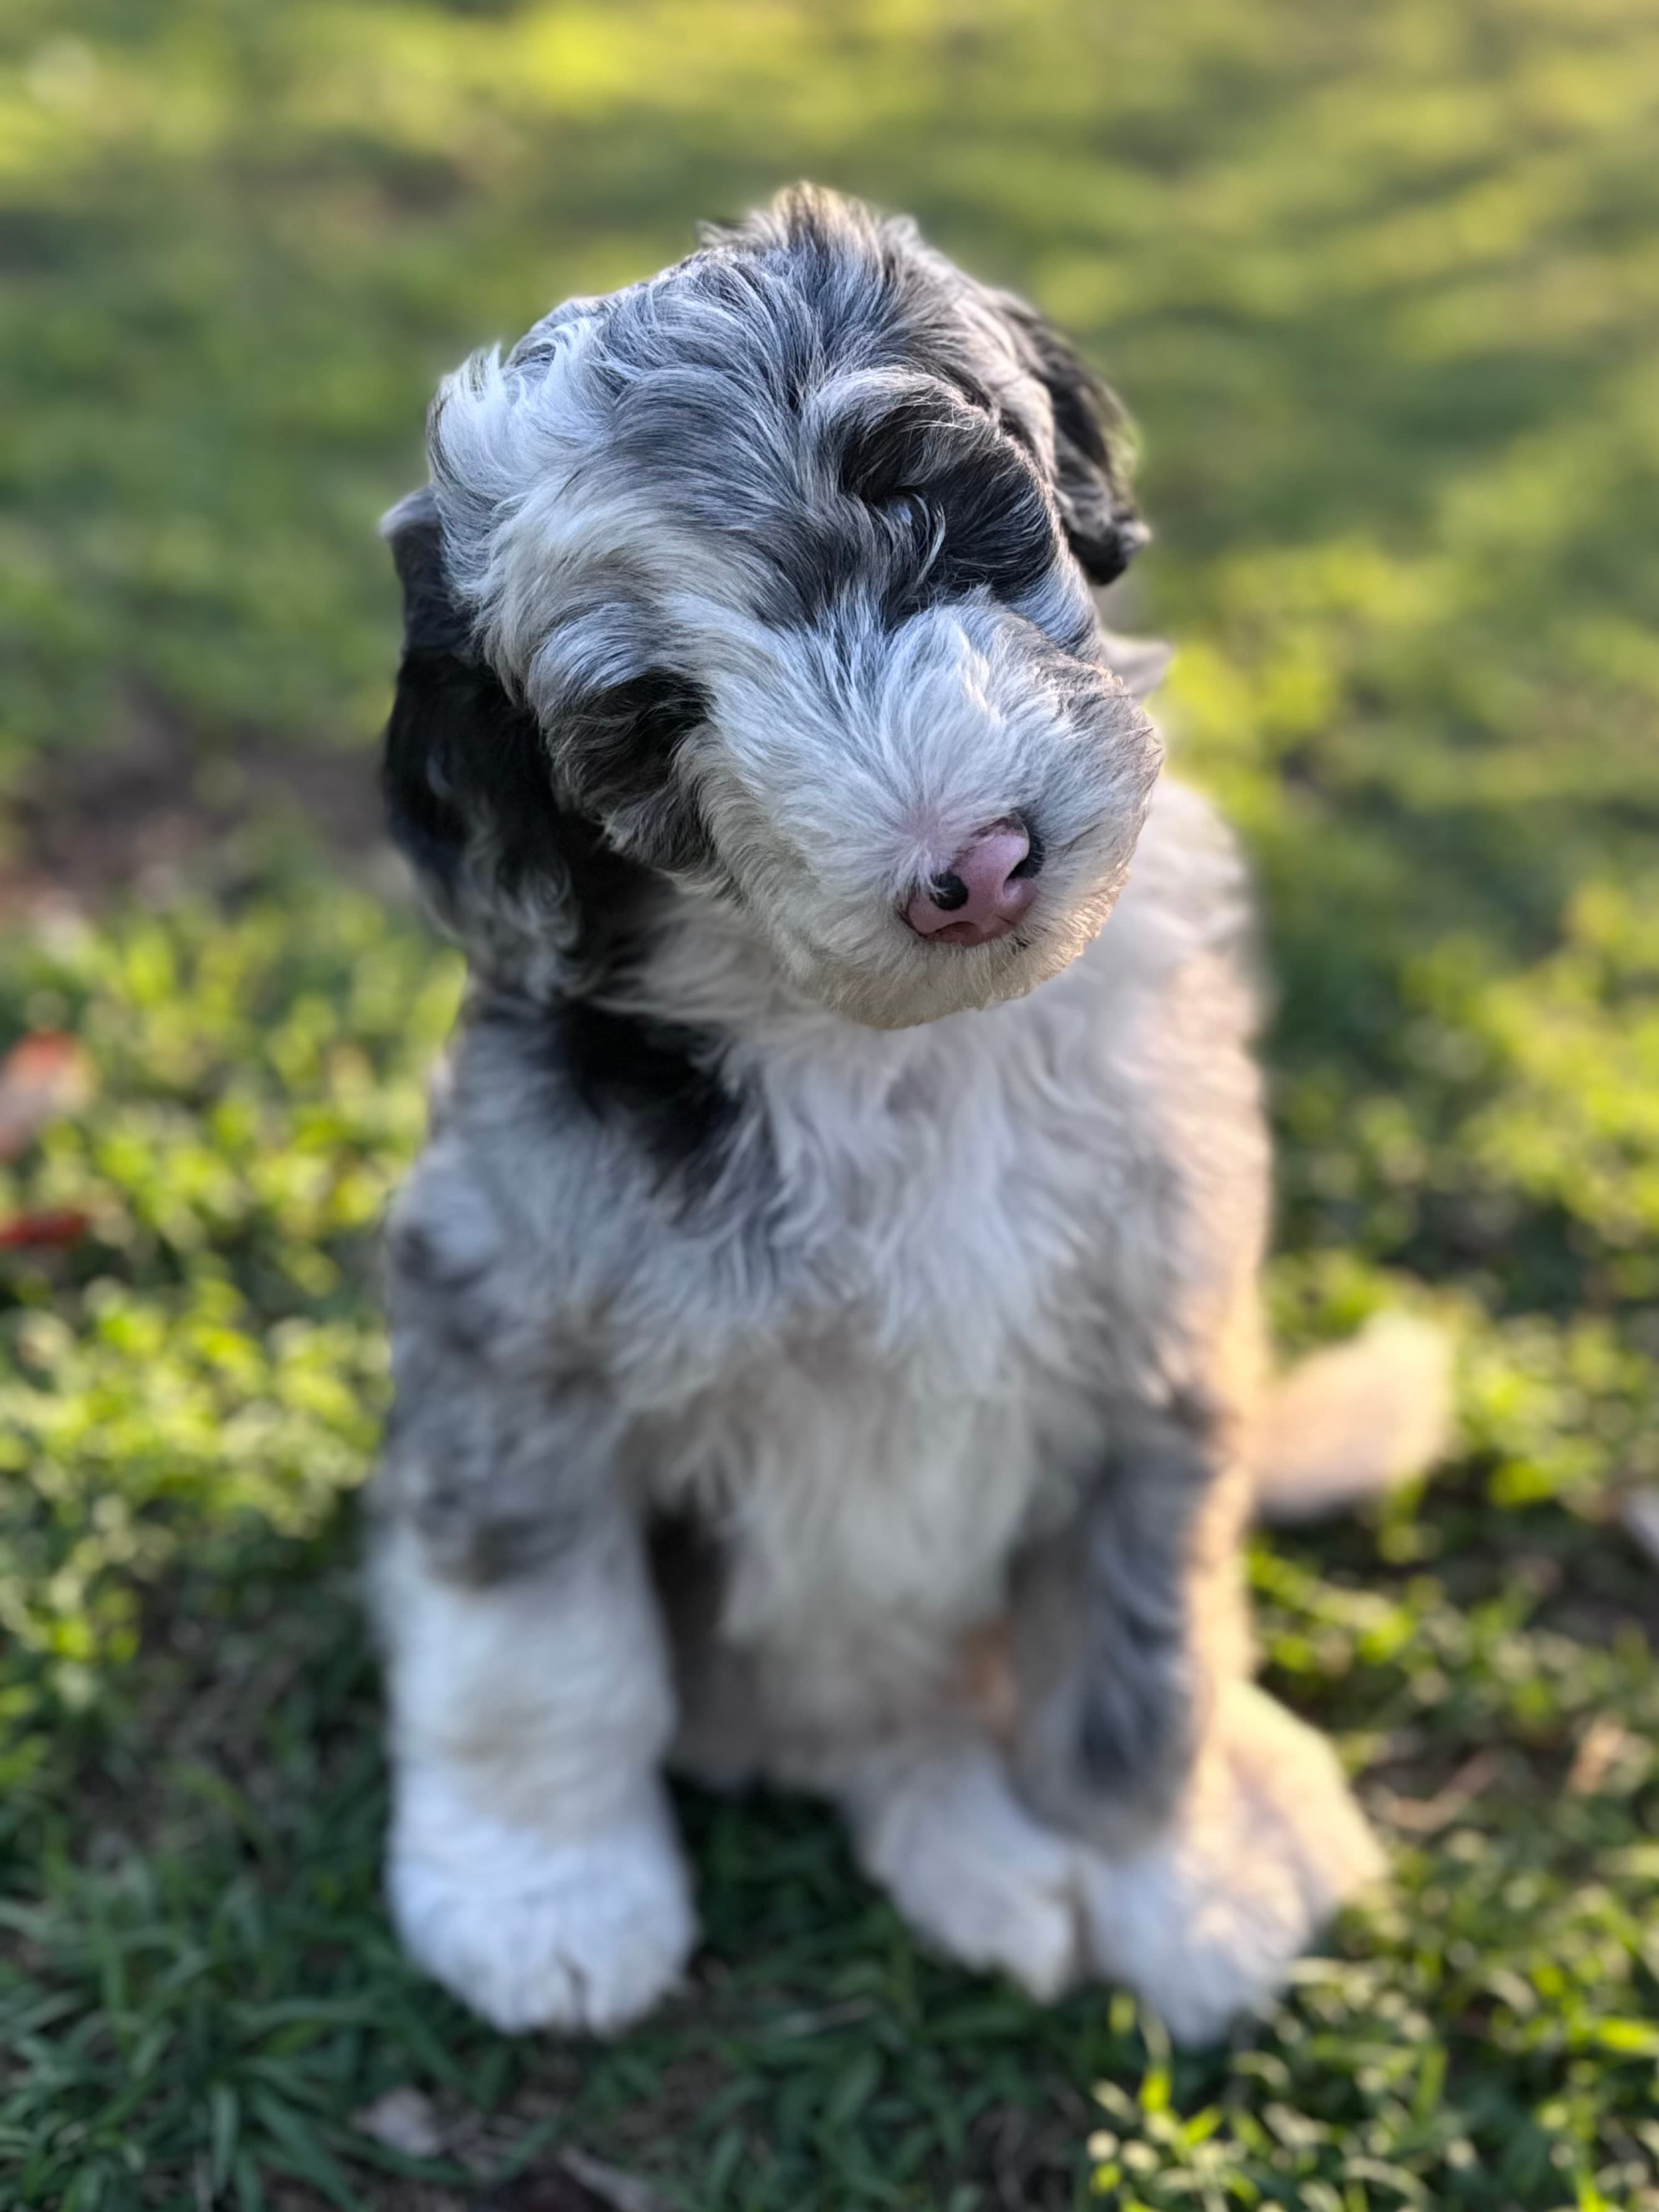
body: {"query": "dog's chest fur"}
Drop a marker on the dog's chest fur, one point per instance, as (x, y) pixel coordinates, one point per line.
(982, 1235)
(870, 1445)
(896, 1330)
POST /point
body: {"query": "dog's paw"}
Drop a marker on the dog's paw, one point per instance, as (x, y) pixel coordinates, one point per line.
(972, 1871)
(1267, 1842)
(530, 1932)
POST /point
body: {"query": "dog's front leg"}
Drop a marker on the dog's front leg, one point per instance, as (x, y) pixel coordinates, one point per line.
(1123, 1624)
(1217, 1830)
(533, 1867)
(935, 1821)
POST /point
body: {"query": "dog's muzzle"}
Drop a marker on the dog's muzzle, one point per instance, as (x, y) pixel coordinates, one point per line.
(983, 892)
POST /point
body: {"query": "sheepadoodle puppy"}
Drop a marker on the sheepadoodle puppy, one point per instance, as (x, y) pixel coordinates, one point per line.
(827, 1336)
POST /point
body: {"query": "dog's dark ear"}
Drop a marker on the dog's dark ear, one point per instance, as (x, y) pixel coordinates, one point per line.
(464, 773)
(1091, 447)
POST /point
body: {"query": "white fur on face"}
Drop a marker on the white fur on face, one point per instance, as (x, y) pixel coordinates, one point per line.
(840, 774)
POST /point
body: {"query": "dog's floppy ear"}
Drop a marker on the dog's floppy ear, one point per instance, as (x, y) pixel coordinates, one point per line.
(464, 773)
(1092, 446)
(1141, 663)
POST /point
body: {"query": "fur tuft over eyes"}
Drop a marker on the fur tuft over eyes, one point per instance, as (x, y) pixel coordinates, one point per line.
(1092, 439)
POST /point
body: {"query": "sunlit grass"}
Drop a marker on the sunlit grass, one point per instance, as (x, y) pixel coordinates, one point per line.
(1382, 287)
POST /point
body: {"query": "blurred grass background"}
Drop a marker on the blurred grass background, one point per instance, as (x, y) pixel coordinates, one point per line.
(1381, 286)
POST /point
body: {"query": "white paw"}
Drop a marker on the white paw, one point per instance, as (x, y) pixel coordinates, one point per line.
(531, 1931)
(1204, 1922)
(970, 1870)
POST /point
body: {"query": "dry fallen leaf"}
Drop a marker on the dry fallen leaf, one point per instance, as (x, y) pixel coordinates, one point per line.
(403, 2120)
(45, 1076)
(1605, 1745)
(47, 1229)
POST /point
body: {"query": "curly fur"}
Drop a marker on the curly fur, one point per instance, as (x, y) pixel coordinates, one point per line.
(821, 1353)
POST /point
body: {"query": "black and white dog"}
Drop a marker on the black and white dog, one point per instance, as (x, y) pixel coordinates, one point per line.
(826, 1316)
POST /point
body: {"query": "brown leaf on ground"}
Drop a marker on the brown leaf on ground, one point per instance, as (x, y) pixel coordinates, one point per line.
(45, 1076)
(1607, 1754)
(403, 2120)
(48, 1229)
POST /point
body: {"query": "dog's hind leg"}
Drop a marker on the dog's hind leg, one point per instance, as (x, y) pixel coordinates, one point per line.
(1265, 1841)
(533, 1867)
(1216, 1832)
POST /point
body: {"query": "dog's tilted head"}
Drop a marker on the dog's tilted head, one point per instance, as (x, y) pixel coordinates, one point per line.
(767, 578)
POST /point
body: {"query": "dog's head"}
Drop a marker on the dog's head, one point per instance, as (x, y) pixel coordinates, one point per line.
(769, 577)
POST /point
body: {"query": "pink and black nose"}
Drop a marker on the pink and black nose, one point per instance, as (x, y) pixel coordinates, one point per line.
(983, 892)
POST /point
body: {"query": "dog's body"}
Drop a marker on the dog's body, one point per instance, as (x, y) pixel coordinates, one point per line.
(819, 1353)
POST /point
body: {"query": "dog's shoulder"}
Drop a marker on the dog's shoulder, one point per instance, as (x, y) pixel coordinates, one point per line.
(577, 1157)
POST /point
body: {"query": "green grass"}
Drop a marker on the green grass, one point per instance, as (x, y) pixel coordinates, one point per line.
(1382, 288)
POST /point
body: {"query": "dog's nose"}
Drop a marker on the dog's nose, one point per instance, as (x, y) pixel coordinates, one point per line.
(983, 892)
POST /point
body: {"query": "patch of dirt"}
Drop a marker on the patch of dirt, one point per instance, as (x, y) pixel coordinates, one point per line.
(133, 815)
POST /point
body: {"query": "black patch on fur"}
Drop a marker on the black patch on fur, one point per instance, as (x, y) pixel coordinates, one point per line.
(656, 1080)
(1103, 526)
(654, 1074)
(480, 1549)
(1106, 1635)
(478, 1460)
(615, 752)
(862, 294)
(1137, 1723)
(962, 501)
(458, 756)
(462, 761)
(937, 499)
(612, 899)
